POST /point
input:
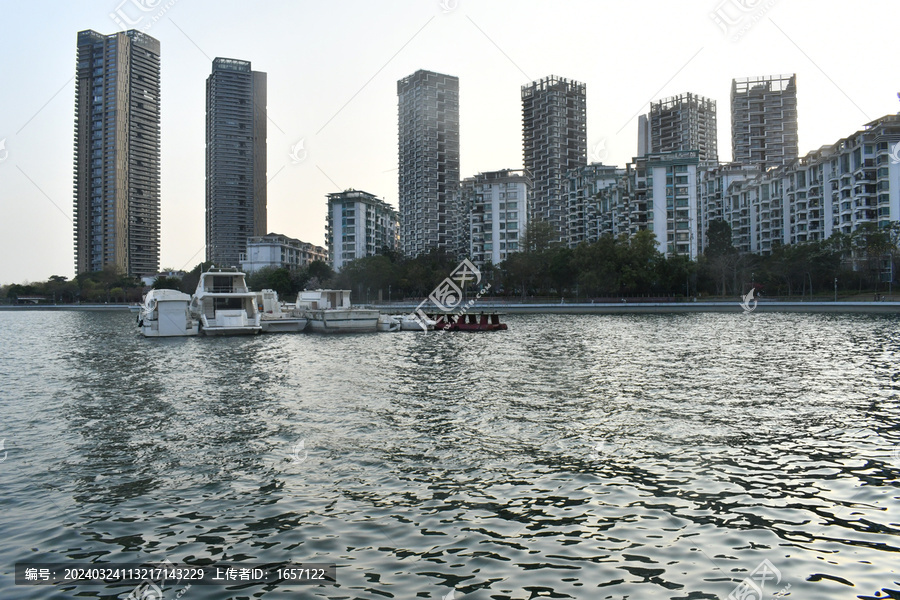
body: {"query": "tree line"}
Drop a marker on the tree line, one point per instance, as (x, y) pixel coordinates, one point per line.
(611, 267)
(632, 266)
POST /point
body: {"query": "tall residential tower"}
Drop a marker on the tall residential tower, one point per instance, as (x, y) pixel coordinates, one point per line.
(764, 120)
(682, 123)
(117, 152)
(428, 145)
(554, 135)
(235, 159)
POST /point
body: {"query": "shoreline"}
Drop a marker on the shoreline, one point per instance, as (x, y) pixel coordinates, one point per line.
(98, 307)
(607, 308)
(613, 308)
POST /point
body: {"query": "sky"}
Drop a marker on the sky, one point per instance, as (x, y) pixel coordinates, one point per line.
(332, 97)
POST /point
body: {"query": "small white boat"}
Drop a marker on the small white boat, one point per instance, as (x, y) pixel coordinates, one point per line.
(388, 323)
(416, 323)
(329, 311)
(278, 316)
(224, 305)
(166, 313)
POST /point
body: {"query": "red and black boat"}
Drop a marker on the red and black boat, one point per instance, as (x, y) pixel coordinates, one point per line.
(468, 322)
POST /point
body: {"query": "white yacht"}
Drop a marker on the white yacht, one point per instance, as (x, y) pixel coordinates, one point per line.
(330, 311)
(166, 313)
(388, 323)
(416, 323)
(224, 305)
(278, 316)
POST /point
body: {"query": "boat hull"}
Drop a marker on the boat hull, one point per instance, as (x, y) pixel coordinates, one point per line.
(470, 322)
(408, 323)
(229, 323)
(340, 320)
(285, 325)
(166, 314)
(152, 329)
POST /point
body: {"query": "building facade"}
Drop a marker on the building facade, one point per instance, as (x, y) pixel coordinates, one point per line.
(117, 150)
(279, 251)
(428, 153)
(358, 225)
(764, 120)
(836, 189)
(497, 205)
(682, 123)
(554, 136)
(714, 183)
(657, 192)
(583, 187)
(235, 159)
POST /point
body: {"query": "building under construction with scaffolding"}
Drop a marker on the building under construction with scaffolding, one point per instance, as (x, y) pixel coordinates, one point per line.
(554, 136)
(764, 120)
(682, 123)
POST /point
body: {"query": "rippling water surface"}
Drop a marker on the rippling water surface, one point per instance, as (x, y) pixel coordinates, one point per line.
(583, 457)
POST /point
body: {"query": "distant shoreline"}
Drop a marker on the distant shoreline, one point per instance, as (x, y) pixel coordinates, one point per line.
(607, 308)
(613, 308)
(100, 307)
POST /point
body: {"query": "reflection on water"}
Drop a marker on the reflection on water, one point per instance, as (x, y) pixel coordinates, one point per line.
(569, 457)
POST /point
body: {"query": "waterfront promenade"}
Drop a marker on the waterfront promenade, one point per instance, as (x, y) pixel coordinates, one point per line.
(576, 308)
(634, 307)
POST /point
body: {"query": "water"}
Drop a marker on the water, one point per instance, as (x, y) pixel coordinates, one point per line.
(569, 457)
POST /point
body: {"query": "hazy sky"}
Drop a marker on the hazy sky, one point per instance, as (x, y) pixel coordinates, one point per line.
(332, 72)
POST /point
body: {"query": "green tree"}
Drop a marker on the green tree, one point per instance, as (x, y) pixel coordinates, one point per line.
(721, 256)
(167, 283)
(280, 281)
(321, 270)
(538, 237)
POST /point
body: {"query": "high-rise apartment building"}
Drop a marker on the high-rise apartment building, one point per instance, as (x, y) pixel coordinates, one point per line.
(497, 205)
(554, 135)
(359, 225)
(235, 159)
(428, 152)
(682, 123)
(764, 120)
(658, 193)
(117, 193)
(717, 184)
(583, 187)
(839, 188)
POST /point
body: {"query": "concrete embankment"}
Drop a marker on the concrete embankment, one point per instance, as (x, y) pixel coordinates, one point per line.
(661, 307)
